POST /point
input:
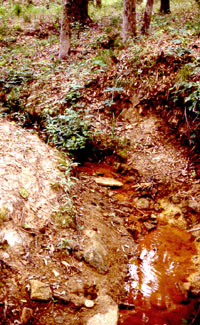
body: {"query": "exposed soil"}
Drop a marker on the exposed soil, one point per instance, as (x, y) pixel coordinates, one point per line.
(159, 189)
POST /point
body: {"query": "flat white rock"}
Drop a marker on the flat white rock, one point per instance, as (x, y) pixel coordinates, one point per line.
(108, 181)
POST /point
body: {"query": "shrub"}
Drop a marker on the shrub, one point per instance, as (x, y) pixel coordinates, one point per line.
(71, 131)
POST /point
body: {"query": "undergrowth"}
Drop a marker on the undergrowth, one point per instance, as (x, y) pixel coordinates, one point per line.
(36, 86)
(71, 131)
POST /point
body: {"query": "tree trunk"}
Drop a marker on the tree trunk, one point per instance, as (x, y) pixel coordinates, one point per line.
(98, 3)
(165, 6)
(129, 19)
(78, 11)
(198, 3)
(147, 16)
(64, 32)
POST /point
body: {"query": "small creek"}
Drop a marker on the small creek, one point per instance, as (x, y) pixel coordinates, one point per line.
(156, 284)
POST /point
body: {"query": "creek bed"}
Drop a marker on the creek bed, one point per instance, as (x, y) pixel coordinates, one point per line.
(157, 286)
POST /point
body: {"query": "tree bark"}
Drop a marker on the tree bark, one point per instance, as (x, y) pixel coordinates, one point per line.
(165, 6)
(64, 32)
(78, 11)
(198, 3)
(147, 16)
(98, 3)
(129, 19)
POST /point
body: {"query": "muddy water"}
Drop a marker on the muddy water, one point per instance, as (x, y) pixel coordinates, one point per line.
(158, 279)
(157, 287)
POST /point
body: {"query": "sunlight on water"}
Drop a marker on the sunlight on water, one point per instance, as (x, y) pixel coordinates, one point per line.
(157, 276)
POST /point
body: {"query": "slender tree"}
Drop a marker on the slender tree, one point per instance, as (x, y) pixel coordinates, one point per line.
(129, 19)
(64, 32)
(165, 6)
(147, 16)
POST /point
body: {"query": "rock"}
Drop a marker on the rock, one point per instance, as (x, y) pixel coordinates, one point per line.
(16, 240)
(40, 291)
(59, 320)
(26, 315)
(78, 255)
(142, 203)
(108, 181)
(89, 303)
(194, 280)
(175, 199)
(56, 273)
(95, 252)
(194, 205)
(61, 297)
(77, 301)
(150, 225)
(133, 231)
(108, 312)
(95, 259)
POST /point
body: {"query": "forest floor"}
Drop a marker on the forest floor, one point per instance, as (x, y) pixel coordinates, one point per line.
(111, 236)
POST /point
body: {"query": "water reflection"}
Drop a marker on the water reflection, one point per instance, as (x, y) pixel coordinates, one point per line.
(157, 276)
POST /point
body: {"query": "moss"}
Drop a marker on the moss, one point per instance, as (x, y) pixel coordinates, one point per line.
(24, 193)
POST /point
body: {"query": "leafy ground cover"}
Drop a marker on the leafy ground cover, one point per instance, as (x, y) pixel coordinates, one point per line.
(129, 112)
(101, 73)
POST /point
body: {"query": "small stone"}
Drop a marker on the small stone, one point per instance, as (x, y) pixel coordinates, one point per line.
(194, 205)
(26, 315)
(175, 200)
(108, 312)
(149, 225)
(142, 203)
(61, 297)
(60, 320)
(65, 264)
(108, 181)
(186, 286)
(89, 303)
(40, 291)
(55, 273)
(78, 255)
(95, 259)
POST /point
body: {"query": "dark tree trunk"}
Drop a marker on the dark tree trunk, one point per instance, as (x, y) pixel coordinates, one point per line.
(165, 6)
(147, 16)
(78, 11)
(98, 3)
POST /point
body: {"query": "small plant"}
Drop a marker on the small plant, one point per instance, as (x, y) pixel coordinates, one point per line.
(17, 9)
(64, 216)
(73, 94)
(188, 92)
(109, 102)
(70, 131)
(64, 245)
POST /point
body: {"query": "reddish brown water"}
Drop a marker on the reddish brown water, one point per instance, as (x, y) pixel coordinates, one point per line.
(157, 284)
(157, 277)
